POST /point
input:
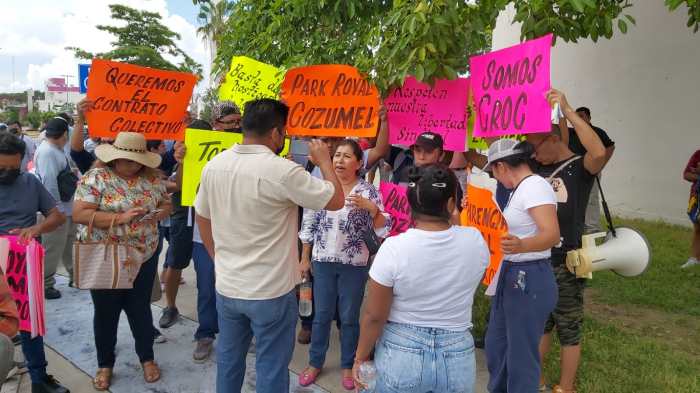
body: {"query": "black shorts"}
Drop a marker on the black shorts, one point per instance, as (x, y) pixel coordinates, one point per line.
(179, 251)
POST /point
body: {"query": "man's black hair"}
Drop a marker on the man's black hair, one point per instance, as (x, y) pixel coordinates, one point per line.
(10, 144)
(12, 123)
(584, 110)
(199, 124)
(150, 145)
(67, 117)
(261, 116)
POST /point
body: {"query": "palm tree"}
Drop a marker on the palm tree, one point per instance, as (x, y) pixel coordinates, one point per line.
(213, 15)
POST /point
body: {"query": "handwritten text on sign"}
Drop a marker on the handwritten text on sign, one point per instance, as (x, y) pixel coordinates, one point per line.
(417, 107)
(330, 100)
(480, 211)
(396, 204)
(24, 275)
(509, 88)
(202, 146)
(250, 79)
(138, 99)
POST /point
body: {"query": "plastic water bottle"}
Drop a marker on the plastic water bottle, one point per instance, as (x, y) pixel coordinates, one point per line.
(368, 376)
(305, 298)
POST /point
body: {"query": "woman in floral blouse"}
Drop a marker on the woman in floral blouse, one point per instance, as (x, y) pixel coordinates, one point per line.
(124, 188)
(340, 258)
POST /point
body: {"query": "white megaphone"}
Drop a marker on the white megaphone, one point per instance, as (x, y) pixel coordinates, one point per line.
(627, 254)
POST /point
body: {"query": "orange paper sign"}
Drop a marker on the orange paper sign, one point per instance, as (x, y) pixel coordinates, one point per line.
(137, 99)
(330, 100)
(481, 211)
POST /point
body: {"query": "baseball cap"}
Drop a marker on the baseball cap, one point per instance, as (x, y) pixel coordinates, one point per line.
(503, 148)
(56, 127)
(429, 140)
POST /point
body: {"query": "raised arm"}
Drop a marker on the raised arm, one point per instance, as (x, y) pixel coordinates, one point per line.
(381, 148)
(594, 160)
(76, 139)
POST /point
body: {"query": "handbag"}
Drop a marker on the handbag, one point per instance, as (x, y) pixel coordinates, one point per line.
(105, 264)
(693, 208)
(371, 240)
(67, 183)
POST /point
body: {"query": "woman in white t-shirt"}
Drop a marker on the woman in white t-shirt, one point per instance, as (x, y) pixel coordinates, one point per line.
(421, 289)
(525, 287)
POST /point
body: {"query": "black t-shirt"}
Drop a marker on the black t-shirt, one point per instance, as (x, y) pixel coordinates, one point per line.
(572, 186)
(576, 146)
(83, 159)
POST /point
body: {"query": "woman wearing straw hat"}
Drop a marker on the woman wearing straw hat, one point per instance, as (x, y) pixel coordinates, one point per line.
(124, 186)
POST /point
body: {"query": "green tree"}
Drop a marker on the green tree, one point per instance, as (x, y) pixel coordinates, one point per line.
(390, 39)
(144, 41)
(212, 18)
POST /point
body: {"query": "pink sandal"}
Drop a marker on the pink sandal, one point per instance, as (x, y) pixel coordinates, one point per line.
(308, 377)
(348, 383)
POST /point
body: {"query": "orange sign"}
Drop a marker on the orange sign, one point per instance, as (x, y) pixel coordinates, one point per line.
(481, 211)
(330, 100)
(138, 99)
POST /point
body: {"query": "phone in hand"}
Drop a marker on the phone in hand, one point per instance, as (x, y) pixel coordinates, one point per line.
(150, 215)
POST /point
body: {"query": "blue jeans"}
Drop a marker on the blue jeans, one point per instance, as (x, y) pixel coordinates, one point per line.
(273, 323)
(206, 293)
(33, 350)
(344, 285)
(525, 296)
(413, 359)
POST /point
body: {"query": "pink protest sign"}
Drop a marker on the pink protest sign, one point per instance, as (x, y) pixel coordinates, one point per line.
(24, 272)
(396, 204)
(416, 107)
(509, 88)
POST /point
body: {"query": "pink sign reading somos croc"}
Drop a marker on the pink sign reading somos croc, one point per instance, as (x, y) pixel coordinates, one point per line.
(417, 107)
(509, 88)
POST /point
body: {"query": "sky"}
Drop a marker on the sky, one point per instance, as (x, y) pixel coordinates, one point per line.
(34, 34)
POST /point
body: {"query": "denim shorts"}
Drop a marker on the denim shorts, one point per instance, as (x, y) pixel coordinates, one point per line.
(413, 359)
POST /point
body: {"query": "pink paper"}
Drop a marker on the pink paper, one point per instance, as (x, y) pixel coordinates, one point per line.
(416, 107)
(509, 88)
(24, 275)
(396, 204)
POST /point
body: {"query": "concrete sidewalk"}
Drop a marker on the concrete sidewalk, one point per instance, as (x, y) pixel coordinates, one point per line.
(80, 382)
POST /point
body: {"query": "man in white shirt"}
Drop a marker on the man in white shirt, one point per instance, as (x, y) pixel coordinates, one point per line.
(247, 212)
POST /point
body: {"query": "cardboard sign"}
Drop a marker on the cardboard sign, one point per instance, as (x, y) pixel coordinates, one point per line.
(509, 87)
(202, 146)
(481, 144)
(137, 99)
(330, 100)
(417, 107)
(481, 211)
(250, 79)
(23, 266)
(396, 204)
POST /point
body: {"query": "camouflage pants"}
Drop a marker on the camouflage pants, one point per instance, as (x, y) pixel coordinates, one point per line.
(568, 314)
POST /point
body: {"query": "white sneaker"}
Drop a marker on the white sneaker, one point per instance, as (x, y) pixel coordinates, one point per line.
(692, 261)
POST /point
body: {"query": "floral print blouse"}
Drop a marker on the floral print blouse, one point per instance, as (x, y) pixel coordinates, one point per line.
(114, 194)
(337, 236)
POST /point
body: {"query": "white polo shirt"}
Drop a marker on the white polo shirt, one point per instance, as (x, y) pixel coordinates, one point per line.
(251, 197)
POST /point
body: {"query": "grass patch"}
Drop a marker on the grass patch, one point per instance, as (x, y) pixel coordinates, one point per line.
(641, 334)
(616, 361)
(664, 286)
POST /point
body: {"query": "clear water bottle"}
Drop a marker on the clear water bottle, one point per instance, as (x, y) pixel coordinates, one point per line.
(305, 298)
(368, 376)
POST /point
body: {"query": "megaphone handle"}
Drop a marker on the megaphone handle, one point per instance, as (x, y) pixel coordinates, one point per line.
(606, 210)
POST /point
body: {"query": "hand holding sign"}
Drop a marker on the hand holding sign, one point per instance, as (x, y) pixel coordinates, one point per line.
(85, 105)
(26, 235)
(555, 96)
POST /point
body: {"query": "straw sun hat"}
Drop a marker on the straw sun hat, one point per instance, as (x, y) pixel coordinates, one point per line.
(128, 146)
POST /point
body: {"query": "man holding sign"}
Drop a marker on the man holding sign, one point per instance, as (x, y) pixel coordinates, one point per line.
(571, 177)
(247, 212)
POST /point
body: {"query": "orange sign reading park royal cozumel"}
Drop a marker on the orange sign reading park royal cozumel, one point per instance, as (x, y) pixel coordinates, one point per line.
(137, 99)
(330, 100)
(481, 211)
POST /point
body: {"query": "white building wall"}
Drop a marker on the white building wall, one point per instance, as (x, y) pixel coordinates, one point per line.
(643, 88)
